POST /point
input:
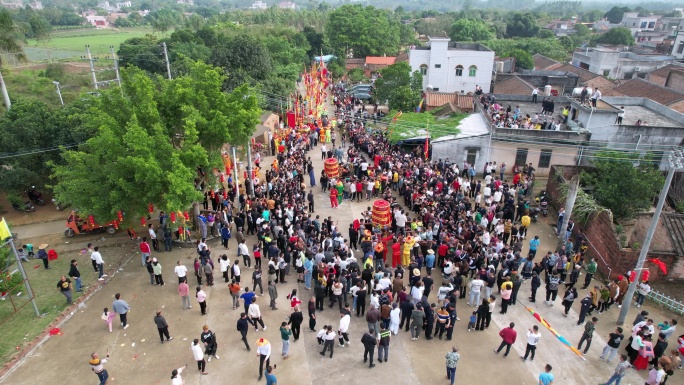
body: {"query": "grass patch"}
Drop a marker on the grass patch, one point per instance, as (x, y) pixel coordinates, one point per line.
(413, 124)
(71, 44)
(19, 329)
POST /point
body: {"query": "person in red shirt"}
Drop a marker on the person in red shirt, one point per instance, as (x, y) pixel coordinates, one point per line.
(333, 197)
(441, 253)
(359, 190)
(144, 250)
(377, 160)
(396, 253)
(508, 336)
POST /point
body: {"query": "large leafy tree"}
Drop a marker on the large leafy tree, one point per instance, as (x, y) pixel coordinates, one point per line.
(362, 31)
(616, 36)
(143, 52)
(151, 136)
(521, 24)
(470, 30)
(614, 15)
(401, 88)
(625, 183)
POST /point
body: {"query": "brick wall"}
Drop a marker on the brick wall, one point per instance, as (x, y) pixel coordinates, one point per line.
(600, 232)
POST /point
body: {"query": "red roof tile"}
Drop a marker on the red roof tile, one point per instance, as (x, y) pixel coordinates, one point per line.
(438, 99)
(513, 86)
(382, 60)
(645, 89)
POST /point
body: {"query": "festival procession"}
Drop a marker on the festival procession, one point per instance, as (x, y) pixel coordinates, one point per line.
(362, 259)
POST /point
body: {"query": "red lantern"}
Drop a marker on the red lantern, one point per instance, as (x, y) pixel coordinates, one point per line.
(150, 208)
(173, 217)
(119, 216)
(227, 170)
(186, 216)
(91, 220)
(143, 221)
(116, 224)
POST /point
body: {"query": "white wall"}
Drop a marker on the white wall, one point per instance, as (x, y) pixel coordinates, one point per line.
(445, 78)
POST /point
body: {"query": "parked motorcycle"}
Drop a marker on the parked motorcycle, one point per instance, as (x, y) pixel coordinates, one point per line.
(24, 207)
(543, 201)
(35, 196)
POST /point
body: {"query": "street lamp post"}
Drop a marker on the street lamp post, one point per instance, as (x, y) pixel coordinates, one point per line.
(675, 162)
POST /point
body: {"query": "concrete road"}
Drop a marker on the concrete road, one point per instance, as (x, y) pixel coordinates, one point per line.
(40, 229)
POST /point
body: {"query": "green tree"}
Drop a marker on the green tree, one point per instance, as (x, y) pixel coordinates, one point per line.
(143, 52)
(520, 24)
(362, 31)
(614, 15)
(592, 16)
(315, 40)
(470, 30)
(356, 75)
(523, 59)
(625, 183)
(40, 27)
(616, 36)
(399, 87)
(582, 30)
(151, 136)
(243, 53)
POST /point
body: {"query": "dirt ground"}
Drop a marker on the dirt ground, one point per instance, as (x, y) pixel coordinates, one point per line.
(45, 213)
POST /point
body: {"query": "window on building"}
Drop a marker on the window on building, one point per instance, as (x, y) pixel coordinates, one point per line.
(651, 24)
(435, 89)
(423, 69)
(521, 157)
(471, 155)
(545, 158)
(459, 70)
(680, 49)
(606, 73)
(643, 24)
(472, 71)
(438, 66)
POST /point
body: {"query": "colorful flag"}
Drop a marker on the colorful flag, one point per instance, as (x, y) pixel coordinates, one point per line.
(552, 330)
(4, 230)
(420, 106)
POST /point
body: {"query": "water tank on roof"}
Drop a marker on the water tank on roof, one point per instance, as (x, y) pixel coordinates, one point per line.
(499, 66)
(547, 90)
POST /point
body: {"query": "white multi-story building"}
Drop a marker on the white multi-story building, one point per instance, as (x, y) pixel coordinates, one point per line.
(258, 4)
(637, 23)
(453, 67)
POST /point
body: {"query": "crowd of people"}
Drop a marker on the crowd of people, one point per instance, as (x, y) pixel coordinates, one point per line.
(455, 233)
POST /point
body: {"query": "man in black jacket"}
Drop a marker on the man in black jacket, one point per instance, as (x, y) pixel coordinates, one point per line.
(369, 343)
(162, 327)
(243, 328)
(535, 284)
(406, 308)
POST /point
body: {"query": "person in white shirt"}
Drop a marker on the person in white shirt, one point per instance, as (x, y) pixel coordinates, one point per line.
(198, 354)
(385, 282)
(181, 272)
(345, 320)
(369, 189)
(596, 95)
(175, 376)
(224, 264)
(254, 314)
(323, 151)
(264, 353)
(244, 251)
(475, 287)
(533, 337)
(97, 257)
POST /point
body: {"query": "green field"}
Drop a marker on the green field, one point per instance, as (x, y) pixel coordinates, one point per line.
(71, 44)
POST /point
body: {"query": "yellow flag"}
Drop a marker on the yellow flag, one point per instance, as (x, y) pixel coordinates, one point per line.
(4, 230)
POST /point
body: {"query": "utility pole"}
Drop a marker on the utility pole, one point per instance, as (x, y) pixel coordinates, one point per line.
(92, 66)
(59, 91)
(675, 162)
(5, 95)
(249, 187)
(235, 169)
(166, 58)
(116, 65)
(569, 204)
